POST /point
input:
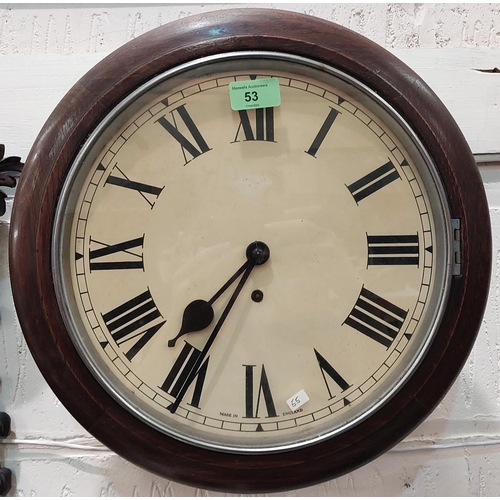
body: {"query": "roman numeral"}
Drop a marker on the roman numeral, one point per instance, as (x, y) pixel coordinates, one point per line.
(264, 125)
(149, 193)
(393, 250)
(99, 263)
(325, 128)
(376, 317)
(373, 181)
(199, 147)
(133, 323)
(327, 369)
(180, 371)
(264, 390)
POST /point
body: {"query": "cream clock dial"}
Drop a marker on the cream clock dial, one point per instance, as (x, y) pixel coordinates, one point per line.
(175, 315)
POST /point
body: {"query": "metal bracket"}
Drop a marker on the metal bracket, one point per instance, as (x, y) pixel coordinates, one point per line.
(5, 474)
(10, 170)
(456, 265)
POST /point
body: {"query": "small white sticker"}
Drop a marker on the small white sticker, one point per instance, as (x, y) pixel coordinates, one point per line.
(296, 401)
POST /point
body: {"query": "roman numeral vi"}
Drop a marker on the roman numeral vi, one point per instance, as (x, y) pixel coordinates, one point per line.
(264, 390)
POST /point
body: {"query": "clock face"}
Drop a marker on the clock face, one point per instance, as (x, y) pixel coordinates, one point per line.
(253, 280)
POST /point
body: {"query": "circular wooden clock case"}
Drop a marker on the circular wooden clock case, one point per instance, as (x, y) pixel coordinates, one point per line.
(252, 300)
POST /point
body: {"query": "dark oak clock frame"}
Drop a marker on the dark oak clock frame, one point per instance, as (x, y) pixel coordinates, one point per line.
(81, 110)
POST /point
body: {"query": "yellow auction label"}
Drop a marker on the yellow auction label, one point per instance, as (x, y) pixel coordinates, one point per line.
(252, 94)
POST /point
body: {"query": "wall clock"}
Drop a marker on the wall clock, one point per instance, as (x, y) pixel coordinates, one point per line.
(255, 299)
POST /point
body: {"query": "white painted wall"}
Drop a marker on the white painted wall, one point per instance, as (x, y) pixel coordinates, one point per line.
(45, 49)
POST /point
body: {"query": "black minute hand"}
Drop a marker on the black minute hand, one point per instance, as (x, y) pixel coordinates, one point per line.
(257, 254)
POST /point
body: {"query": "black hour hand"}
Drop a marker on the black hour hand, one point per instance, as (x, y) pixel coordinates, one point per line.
(199, 313)
(197, 316)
